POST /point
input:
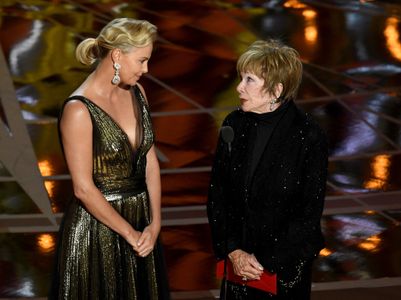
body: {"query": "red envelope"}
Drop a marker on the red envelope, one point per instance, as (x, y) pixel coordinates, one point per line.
(267, 282)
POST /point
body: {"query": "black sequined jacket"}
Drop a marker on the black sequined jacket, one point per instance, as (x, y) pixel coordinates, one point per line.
(277, 216)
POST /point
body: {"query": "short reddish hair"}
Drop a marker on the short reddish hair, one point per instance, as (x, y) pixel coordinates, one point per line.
(275, 63)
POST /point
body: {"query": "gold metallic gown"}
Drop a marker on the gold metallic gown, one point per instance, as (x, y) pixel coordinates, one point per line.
(94, 262)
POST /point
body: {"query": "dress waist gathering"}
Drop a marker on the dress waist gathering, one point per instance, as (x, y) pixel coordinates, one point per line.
(113, 191)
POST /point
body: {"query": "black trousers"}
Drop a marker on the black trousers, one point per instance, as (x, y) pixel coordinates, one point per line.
(300, 291)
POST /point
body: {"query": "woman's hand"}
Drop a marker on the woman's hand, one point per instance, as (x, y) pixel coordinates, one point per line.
(147, 240)
(246, 265)
(132, 238)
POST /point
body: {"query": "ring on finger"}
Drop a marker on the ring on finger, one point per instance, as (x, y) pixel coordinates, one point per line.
(244, 278)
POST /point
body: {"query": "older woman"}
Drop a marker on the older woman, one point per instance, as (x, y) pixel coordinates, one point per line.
(268, 185)
(108, 246)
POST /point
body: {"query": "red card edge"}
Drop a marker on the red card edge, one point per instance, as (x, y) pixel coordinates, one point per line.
(268, 281)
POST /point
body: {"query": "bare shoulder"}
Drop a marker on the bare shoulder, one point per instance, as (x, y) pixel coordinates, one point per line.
(75, 112)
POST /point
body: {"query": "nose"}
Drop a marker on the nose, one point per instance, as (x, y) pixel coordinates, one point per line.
(145, 67)
(240, 87)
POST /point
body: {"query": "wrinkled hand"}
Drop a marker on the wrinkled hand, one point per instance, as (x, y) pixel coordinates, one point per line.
(147, 240)
(246, 265)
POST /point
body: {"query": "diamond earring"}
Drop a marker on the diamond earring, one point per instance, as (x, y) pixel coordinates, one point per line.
(116, 77)
(272, 102)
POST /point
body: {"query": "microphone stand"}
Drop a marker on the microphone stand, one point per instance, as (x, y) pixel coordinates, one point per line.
(227, 134)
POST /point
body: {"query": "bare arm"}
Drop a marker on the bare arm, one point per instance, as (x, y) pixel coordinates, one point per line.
(76, 134)
(154, 186)
(149, 235)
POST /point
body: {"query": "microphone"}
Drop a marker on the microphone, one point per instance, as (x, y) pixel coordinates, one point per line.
(227, 134)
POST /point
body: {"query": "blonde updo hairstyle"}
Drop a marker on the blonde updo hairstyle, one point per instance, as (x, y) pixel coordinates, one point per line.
(121, 33)
(275, 63)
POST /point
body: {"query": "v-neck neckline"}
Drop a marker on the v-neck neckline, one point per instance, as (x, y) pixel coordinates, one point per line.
(114, 121)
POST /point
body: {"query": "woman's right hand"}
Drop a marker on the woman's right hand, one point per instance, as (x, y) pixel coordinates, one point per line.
(132, 239)
(246, 265)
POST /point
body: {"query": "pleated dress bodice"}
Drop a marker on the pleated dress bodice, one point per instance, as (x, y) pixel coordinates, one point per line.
(118, 168)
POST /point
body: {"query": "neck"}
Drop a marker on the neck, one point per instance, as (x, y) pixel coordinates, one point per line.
(100, 81)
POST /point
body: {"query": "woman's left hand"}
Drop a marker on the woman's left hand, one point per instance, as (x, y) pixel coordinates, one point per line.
(245, 265)
(147, 240)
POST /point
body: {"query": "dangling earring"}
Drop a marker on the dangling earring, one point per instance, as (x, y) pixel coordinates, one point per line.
(116, 77)
(272, 102)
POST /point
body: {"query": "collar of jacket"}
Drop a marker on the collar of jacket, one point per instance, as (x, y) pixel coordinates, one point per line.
(241, 124)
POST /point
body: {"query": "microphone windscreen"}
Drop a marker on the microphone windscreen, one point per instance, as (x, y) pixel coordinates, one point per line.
(227, 133)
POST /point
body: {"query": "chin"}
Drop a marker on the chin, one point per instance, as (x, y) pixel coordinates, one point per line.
(244, 108)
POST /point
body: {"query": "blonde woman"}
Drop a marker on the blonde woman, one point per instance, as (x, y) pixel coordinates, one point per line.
(108, 243)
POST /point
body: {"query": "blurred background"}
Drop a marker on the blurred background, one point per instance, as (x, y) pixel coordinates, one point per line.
(351, 51)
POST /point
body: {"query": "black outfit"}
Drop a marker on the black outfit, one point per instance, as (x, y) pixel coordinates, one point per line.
(266, 197)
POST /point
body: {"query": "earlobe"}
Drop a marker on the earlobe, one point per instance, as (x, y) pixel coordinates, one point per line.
(115, 55)
(278, 90)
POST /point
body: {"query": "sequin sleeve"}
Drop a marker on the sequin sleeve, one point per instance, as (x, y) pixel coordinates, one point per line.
(305, 227)
(303, 240)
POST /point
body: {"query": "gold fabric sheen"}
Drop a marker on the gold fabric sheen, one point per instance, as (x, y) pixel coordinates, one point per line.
(94, 262)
